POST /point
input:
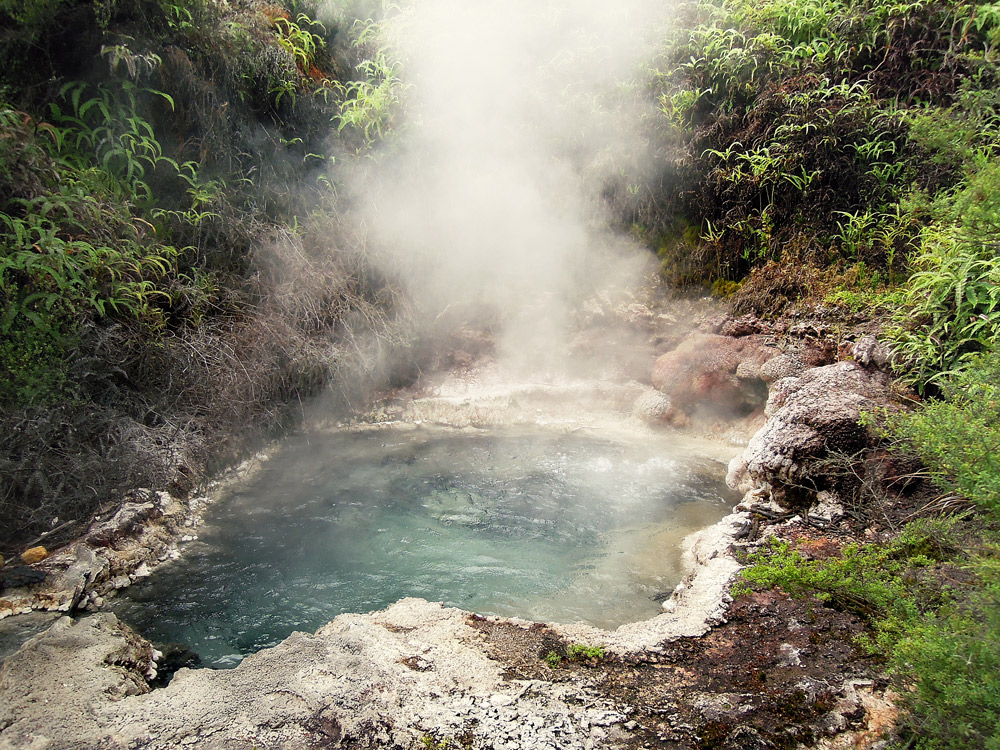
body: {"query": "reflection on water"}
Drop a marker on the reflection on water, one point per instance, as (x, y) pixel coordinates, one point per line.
(536, 524)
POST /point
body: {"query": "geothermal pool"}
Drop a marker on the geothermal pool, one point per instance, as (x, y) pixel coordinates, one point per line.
(543, 524)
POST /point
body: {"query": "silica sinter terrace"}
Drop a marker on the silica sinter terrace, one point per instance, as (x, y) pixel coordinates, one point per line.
(533, 523)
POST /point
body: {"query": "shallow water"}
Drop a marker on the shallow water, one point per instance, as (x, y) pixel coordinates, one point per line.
(531, 523)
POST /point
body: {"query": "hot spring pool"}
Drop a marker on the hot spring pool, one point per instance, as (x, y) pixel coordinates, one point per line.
(532, 523)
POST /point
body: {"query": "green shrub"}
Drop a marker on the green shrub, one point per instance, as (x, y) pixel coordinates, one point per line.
(807, 125)
(952, 660)
(957, 437)
(953, 298)
(866, 580)
(724, 288)
(932, 595)
(940, 643)
(30, 15)
(33, 366)
(575, 652)
(370, 104)
(580, 652)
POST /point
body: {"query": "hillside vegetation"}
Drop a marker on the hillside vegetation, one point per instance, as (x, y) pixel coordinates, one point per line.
(845, 154)
(174, 278)
(852, 141)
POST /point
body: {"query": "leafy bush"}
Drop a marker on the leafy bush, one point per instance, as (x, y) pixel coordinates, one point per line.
(957, 436)
(580, 652)
(577, 652)
(953, 298)
(940, 641)
(806, 126)
(932, 595)
(950, 657)
(369, 104)
(875, 581)
(954, 658)
(174, 278)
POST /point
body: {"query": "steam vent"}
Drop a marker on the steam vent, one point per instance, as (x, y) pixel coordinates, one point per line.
(453, 374)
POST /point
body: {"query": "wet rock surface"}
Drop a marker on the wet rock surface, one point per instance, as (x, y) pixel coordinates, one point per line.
(116, 550)
(771, 672)
(777, 673)
(384, 680)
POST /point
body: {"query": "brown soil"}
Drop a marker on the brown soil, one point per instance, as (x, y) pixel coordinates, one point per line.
(779, 673)
(773, 676)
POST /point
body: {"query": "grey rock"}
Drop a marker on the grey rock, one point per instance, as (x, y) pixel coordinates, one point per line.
(782, 366)
(89, 569)
(14, 631)
(345, 682)
(653, 408)
(128, 520)
(809, 418)
(868, 351)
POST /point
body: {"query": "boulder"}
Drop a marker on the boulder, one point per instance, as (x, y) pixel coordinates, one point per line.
(652, 407)
(810, 418)
(129, 520)
(715, 370)
(785, 365)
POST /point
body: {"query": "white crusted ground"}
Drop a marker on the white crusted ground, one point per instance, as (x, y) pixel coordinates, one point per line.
(386, 679)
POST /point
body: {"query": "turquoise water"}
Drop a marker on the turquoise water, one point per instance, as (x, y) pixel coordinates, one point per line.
(529, 523)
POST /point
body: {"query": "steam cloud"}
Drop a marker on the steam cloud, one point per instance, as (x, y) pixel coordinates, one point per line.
(515, 117)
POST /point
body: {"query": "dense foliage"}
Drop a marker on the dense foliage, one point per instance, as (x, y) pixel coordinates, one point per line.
(932, 607)
(844, 135)
(931, 594)
(174, 279)
(845, 152)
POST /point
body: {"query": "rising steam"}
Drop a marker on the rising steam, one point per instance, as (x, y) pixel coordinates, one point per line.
(516, 116)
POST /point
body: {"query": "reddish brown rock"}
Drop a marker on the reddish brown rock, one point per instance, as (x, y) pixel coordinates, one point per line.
(713, 369)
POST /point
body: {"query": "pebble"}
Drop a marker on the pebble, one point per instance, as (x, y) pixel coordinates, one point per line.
(34, 555)
(789, 656)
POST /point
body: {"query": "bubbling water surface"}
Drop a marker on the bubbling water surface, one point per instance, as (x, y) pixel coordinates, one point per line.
(540, 524)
